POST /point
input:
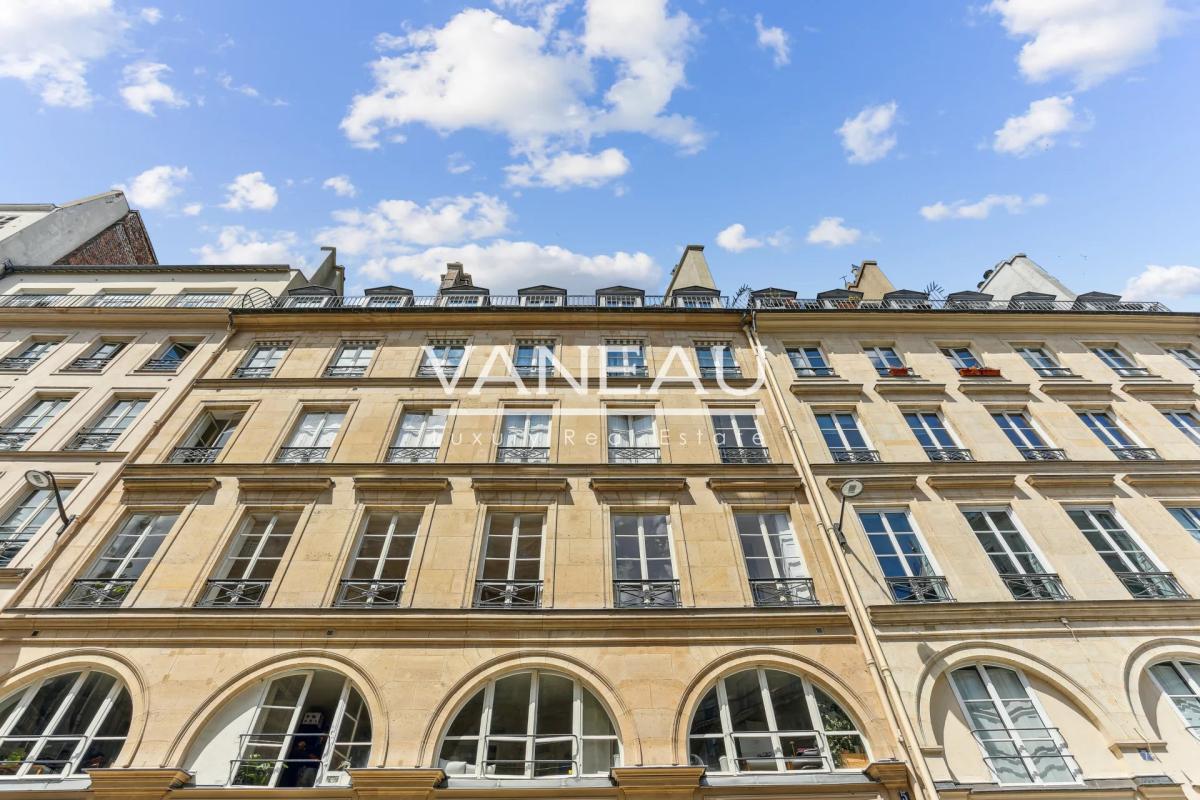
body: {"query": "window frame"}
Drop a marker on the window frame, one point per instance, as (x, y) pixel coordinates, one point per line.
(808, 369)
(1090, 510)
(1192, 513)
(641, 514)
(1110, 435)
(841, 431)
(955, 442)
(1189, 680)
(1045, 442)
(1192, 432)
(954, 355)
(21, 534)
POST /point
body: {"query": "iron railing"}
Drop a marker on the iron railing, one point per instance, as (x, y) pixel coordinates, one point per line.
(16, 438)
(713, 373)
(854, 455)
(814, 372)
(18, 752)
(253, 372)
(850, 304)
(256, 770)
(334, 371)
(1152, 585)
(744, 455)
(949, 454)
(920, 589)
(508, 594)
(522, 455)
(412, 455)
(406, 302)
(1054, 372)
(302, 455)
(775, 592)
(368, 593)
(544, 767)
(1136, 453)
(98, 593)
(897, 372)
(1042, 453)
(17, 363)
(1035, 586)
(633, 455)
(534, 370)
(223, 593)
(95, 438)
(194, 455)
(123, 301)
(11, 548)
(162, 364)
(633, 371)
(438, 370)
(646, 594)
(1033, 749)
(89, 364)
(1132, 372)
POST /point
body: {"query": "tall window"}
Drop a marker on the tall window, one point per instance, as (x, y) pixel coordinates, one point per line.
(98, 357)
(1124, 555)
(1180, 681)
(765, 720)
(26, 519)
(1025, 437)
(908, 570)
(1115, 438)
(632, 439)
(170, 358)
(1119, 361)
(312, 437)
(110, 578)
(208, 438)
(774, 563)
(1187, 356)
(1015, 560)
(1018, 744)
(377, 571)
(716, 358)
(244, 576)
(738, 438)
(524, 438)
(1187, 422)
(105, 432)
(960, 357)
(624, 358)
(931, 431)
(203, 299)
(533, 357)
(809, 362)
(36, 416)
(442, 357)
(262, 360)
(843, 438)
(531, 725)
(34, 352)
(419, 437)
(884, 359)
(352, 360)
(1189, 518)
(510, 573)
(63, 725)
(644, 573)
(1042, 362)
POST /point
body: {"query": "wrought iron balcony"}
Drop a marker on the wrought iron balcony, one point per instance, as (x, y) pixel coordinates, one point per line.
(1042, 759)
(1132, 372)
(1152, 585)
(949, 454)
(534, 370)
(16, 438)
(95, 438)
(634, 371)
(162, 364)
(712, 373)
(89, 364)
(522, 455)
(1136, 453)
(1054, 372)
(253, 372)
(194, 455)
(99, 593)
(744, 455)
(334, 371)
(369, 594)
(302, 455)
(508, 594)
(1035, 586)
(1042, 453)
(18, 364)
(920, 589)
(435, 370)
(775, 592)
(11, 546)
(232, 593)
(412, 455)
(854, 455)
(646, 594)
(814, 372)
(633, 455)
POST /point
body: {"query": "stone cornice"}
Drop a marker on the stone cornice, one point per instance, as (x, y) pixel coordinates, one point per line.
(910, 389)
(1009, 467)
(300, 484)
(473, 469)
(1012, 323)
(168, 484)
(520, 484)
(663, 485)
(1160, 390)
(1067, 390)
(827, 390)
(11, 576)
(493, 383)
(1008, 612)
(591, 318)
(996, 391)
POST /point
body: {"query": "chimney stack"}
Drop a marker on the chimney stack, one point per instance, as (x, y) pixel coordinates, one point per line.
(455, 276)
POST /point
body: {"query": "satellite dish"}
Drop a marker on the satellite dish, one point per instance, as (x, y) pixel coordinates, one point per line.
(852, 488)
(38, 479)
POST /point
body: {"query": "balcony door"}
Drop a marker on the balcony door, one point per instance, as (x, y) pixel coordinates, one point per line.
(510, 574)
(774, 564)
(643, 568)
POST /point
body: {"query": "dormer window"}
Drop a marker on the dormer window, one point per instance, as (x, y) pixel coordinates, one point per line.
(620, 297)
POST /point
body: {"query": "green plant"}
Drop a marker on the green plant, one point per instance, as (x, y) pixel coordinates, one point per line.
(254, 771)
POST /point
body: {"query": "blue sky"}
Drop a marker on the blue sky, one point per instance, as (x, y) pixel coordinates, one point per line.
(584, 143)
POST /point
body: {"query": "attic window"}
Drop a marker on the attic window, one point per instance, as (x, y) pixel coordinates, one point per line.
(6, 219)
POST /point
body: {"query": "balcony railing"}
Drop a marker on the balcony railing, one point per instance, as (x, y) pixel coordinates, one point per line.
(744, 455)
(506, 302)
(814, 372)
(334, 371)
(100, 593)
(854, 455)
(544, 745)
(445, 371)
(95, 439)
(1035, 586)
(16, 438)
(635, 371)
(89, 364)
(634, 455)
(713, 373)
(508, 594)
(223, 593)
(254, 769)
(920, 589)
(534, 370)
(1054, 372)
(162, 364)
(253, 372)
(1136, 453)
(18, 364)
(774, 592)
(1152, 585)
(1042, 453)
(931, 305)
(949, 454)
(522, 455)
(1042, 759)
(127, 301)
(646, 594)
(368, 594)
(194, 455)
(1132, 372)
(10, 547)
(302, 455)
(412, 455)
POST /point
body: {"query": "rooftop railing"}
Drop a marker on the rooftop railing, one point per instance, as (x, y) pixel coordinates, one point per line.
(189, 300)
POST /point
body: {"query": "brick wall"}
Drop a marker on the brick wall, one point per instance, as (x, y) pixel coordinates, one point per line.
(124, 242)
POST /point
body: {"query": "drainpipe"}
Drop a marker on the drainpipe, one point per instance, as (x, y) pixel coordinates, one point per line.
(877, 665)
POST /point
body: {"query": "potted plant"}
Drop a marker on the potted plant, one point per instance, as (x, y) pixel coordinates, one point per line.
(979, 372)
(11, 761)
(898, 372)
(254, 771)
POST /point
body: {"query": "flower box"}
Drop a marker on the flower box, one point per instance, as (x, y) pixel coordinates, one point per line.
(899, 372)
(979, 372)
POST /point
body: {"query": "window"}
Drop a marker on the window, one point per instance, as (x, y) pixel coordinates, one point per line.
(1189, 518)
(203, 299)
(34, 418)
(885, 361)
(909, 572)
(1114, 437)
(621, 300)
(254, 554)
(632, 439)
(765, 720)
(809, 362)
(97, 358)
(530, 725)
(1132, 565)
(1116, 360)
(1042, 362)
(737, 437)
(120, 299)
(524, 438)
(961, 357)
(1180, 681)
(696, 301)
(624, 358)
(1015, 560)
(63, 725)
(461, 300)
(34, 352)
(441, 358)
(716, 358)
(352, 360)
(389, 300)
(170, 358)
(208, 438)
(1187, 356)
(533, 358)
(642, 566)
(105, 432)
(312, 438)
(774, 563)
(26, 519)
(845, 441)
(1025, 437)
(543, 300)
(262, 360)
(112, 576)
(931, 431)
(510, 572)
(1018, 744)
(377, 571)
(419, 437)
(1187, 422)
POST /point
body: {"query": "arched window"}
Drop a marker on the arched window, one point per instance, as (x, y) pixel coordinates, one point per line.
(531, 725)
(1180, 681)
(765, 720)
(63, 725)
(1012, 730)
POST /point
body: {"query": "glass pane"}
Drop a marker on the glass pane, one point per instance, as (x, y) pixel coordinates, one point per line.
(746, 710)
(466, 723)
(708, 753)
(556, 696)
(600, 755)
(510, 707)
(756, 754)
(595, 718)
(789, 702)
(833, 717)
(707, 718)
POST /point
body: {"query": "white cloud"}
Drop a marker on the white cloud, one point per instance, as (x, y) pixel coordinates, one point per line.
(151, 15)
(868, 136)
(49, 46)
(238, 245)
(143, 87)
(832, 233)
(457, 164)
(341, 186)
(193, 209)
(226, 81)
(773, 39)
(735, 240)
(1038, 128)
(1155, 282)
(1090, 40)
(566, 170)
(252, 191)
(156, 187)
(398, 223)
(961, 209)
(544, 12)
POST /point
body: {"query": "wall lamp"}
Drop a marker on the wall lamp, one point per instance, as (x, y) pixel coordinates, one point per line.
(44, 479)
(851, 488)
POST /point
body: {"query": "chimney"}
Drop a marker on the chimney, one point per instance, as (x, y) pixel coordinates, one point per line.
(455, 276)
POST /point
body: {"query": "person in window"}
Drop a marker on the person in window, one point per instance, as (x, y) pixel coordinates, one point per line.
(95, 759)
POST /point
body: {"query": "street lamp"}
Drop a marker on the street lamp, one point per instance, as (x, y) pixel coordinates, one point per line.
(44, 479)
(851, 488)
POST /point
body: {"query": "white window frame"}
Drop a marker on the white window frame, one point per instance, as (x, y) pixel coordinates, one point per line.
(458, 300)
(632, 359)
(1191, 682)
(266, 355)
(18, 534)
(540, 300)
(629, 436)
(642, 560)
(1192, 429)
(513, 535)
(1112, 357)
(881, 353)
(897, 553)
(1186, 356)
(1009, 553)
(355, 349)
(1192, 513)
(954, 354)
(841, 432)
(1090, 511)
(321, 429)
(1104, 433)
(782, 568)
(526, 434)
(806, 368)
(955, 442)
(618, 300)
(432, 362)
(1045, 444)
(122, 415)
(734, 412)
(224, 570)
(43, 419)
(425, 431)
(390, 538)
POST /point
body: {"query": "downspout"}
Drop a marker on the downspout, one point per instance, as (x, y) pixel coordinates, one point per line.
(877, 664)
